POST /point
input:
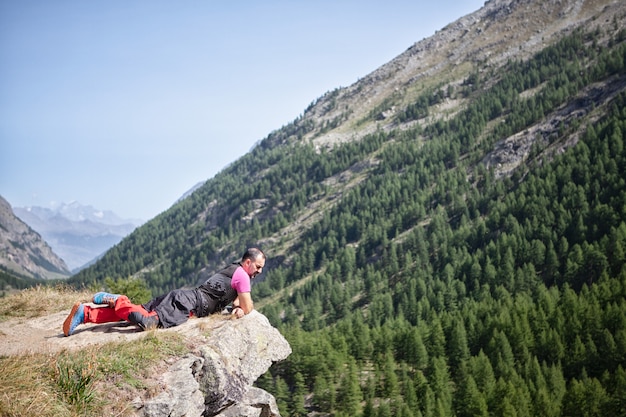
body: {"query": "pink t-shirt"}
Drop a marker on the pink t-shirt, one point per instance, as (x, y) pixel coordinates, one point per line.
(241, 281)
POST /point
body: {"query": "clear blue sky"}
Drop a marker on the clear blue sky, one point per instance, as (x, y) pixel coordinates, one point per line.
(125, 105)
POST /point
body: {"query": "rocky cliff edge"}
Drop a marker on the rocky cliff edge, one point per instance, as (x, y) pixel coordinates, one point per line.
(214, 378)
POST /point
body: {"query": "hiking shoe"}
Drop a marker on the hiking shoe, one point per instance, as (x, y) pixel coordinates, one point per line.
(105, 298)
(76, 317)
(144, 322)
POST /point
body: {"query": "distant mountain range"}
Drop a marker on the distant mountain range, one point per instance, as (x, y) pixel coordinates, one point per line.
(77, 233)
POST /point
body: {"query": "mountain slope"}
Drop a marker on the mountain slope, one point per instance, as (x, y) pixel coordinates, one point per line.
(23, 251)
(284, 186)
(481, 41)
(446, 236)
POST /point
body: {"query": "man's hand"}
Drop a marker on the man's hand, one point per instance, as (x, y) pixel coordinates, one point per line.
(238, 312)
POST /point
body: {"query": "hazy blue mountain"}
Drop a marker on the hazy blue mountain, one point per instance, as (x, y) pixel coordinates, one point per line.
(190, 191)
(77, 233)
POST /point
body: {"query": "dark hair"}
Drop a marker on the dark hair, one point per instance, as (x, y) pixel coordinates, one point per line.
(252, 254)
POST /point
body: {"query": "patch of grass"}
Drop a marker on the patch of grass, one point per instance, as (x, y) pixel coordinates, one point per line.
(75, 380)
(94, 381)
(27, 388)
(127, 361)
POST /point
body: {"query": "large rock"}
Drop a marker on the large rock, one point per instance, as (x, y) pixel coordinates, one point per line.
(216, 380)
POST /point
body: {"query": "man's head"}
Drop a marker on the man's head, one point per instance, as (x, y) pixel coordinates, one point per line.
(253, 261)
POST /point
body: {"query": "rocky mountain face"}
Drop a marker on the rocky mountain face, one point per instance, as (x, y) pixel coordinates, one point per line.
(500, 31)
(23, 251)
(77, 233)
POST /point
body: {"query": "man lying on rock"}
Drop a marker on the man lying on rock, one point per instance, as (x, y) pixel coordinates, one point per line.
(230, 285)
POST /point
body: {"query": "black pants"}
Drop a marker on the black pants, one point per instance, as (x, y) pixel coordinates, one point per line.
(174, 307)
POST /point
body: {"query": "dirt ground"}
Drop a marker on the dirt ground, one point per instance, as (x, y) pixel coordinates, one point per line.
(45, 334)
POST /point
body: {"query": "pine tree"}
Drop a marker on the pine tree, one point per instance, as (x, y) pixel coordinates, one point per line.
(617, 405)
(281, 393)
(391, 387)
(349, 395)
(470, 401)
(440, 383)
(586, 398)
(322, 394)
(458, 347)
(296, 403)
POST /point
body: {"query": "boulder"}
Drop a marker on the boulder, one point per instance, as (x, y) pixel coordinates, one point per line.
(216, 379)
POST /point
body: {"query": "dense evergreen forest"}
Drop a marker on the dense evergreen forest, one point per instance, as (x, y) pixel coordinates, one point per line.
(431, 286)
(488, 297)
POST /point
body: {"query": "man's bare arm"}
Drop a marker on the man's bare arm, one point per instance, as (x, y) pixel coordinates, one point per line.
(244, 301)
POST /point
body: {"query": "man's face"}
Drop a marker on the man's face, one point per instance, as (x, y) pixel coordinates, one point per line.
(254, 267)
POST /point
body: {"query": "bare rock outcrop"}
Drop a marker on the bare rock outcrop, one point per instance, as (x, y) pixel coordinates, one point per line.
(216, 379)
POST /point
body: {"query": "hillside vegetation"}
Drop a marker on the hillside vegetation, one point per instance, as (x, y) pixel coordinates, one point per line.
(459, 250)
